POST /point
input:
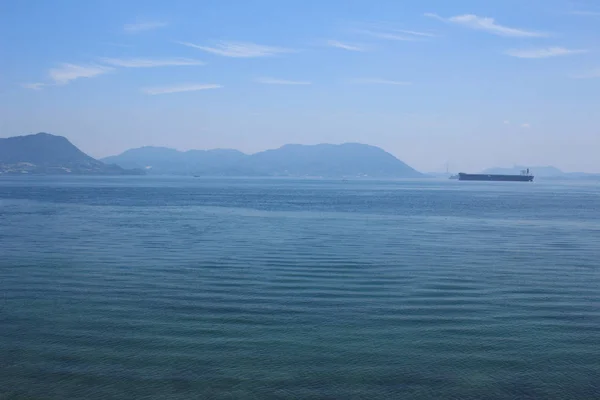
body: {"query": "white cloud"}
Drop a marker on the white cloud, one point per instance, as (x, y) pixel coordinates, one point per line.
(386, 31)
(144, 26)
(377, 81)
(545, 52)
(275, 81)
(506, 122)
(345, 46)
(487, 24)
(149, 63)
(526, 125)
(188, 87)
(587, 75)
(434, 15)
(69, 72)
(34, 86)
(388, 35)
(415, 33)
(239, 49)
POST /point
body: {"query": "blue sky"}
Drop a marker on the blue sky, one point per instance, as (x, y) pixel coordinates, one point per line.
(472, 83)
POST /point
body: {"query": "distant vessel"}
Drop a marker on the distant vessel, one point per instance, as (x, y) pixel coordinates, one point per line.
(525, 176)
(453, 177)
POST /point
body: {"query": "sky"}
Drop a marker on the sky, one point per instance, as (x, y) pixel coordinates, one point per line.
(468, 83)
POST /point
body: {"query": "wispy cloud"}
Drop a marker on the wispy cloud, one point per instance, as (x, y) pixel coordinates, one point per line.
(544, 53)
(506, 122)
(586, 13)
(144, 26)
(66, 72)
(487, 24)
(593, 74)
(69, 72)
(34, 86)
(377, 81)
(386, 31)
(239, 49)
(526, 125)
(186, 87)
(415, 33)
(275, 81)
(387, 35)
(150, 63)
(346, 46)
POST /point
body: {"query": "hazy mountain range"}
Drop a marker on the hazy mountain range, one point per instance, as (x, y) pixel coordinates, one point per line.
(324, 160)
(44, 153)
(50, 154)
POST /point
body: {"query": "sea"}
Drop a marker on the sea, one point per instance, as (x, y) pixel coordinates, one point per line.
(222, 288)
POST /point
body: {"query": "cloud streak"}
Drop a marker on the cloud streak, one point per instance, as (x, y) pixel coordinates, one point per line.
(34, 86)
(415, 33)
(386, 32)
(387, 35)
(69, 72)
(150, 63)
(275, 81)
(345, 46)
(186, 87)
(239, 49)
(378, 81)
(144, 26)
(488, 25)
(544, 53)
(66, 72)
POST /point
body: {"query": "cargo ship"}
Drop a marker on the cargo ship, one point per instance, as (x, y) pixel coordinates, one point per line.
(525, 176)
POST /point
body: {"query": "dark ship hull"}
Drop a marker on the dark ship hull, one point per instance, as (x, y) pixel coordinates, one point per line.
(491, 177)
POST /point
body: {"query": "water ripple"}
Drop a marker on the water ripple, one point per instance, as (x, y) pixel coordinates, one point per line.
(180, 288)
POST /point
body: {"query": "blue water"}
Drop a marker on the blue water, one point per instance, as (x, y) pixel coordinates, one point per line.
(182, 288)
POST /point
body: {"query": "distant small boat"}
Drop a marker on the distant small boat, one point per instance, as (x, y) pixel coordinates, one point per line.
(453, 177)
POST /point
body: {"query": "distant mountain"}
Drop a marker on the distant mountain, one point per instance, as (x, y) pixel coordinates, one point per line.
(162, 160)
(349, 159)
(44, 153)
(326, 160)
(546, 172)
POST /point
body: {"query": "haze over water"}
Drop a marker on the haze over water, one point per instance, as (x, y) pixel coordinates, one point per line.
(178, 288)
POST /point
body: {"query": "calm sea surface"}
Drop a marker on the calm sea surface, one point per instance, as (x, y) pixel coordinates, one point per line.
(183, 288)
